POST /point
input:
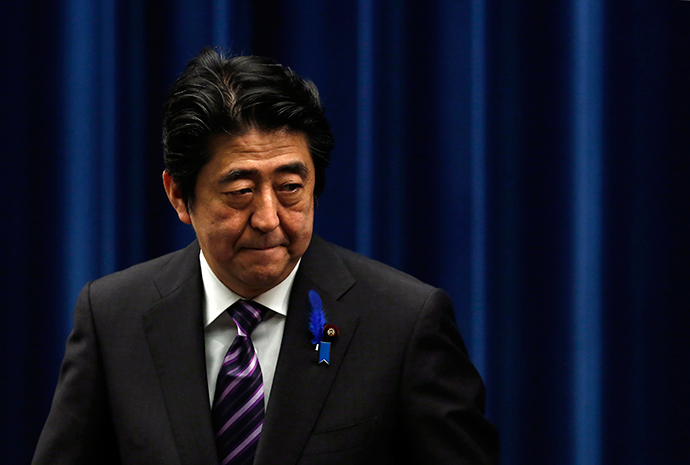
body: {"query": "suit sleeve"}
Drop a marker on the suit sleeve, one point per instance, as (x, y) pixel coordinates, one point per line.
(443, 395)
(79, 428)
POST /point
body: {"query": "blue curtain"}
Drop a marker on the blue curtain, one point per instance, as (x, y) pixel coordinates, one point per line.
(529, 157)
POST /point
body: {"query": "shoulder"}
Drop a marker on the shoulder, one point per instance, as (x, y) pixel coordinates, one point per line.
(386, 274)
(372, 279)
(148, 280)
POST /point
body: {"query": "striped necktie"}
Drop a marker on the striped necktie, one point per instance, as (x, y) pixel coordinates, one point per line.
(238, 407)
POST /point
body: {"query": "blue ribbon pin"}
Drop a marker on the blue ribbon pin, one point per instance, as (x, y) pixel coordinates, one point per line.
(325, 353)
(316, 323)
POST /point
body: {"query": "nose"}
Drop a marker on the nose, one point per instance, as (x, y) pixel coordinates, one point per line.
(265, 216)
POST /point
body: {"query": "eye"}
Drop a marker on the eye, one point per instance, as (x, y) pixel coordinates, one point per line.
(243, 191)
(291, 187)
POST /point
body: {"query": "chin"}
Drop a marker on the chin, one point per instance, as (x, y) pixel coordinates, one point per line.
(263, 279)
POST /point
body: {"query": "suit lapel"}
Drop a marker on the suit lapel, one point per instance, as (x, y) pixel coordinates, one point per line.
(175, 334)
(301, 384)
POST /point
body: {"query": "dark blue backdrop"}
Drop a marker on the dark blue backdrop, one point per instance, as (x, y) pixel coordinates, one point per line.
(530, 157)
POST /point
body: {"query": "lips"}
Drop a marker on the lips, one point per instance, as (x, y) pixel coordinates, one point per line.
(264, 243)
(263, 247)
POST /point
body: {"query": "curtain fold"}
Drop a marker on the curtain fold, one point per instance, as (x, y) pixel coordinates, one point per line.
(531, 158)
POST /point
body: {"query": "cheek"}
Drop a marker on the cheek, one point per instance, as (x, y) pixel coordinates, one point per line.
(221, 224)
(299, 224)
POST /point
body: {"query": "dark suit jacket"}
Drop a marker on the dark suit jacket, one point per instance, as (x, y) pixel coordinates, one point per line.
(399, 388)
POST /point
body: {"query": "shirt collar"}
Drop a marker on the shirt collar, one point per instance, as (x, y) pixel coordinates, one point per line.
(218, 298)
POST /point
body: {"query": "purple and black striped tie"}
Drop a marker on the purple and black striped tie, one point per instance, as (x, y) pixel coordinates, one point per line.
(238, 407)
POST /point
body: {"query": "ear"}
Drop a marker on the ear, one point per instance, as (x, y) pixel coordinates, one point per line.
(175, 197)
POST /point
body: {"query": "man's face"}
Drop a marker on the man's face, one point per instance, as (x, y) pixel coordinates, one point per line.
(253, 210)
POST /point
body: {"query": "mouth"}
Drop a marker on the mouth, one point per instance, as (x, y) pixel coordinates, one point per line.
(264, 247)
(264, 243)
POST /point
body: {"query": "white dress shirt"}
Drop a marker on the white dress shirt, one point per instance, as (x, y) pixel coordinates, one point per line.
(220, 330)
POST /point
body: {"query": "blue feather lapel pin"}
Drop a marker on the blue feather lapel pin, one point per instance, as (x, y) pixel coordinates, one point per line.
(322, 333)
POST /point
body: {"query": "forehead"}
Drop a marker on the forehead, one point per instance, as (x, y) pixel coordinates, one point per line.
(258, 147)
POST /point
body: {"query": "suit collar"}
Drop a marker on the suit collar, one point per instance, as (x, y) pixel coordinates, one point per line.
(324, 267)
(175, 335)
(301, 385)
(182, 266)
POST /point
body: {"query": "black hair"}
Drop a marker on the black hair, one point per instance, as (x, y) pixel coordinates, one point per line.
(220, 95)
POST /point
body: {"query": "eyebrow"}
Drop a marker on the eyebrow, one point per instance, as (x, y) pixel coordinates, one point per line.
(234, 175)
(297, 167)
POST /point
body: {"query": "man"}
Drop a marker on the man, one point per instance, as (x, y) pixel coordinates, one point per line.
(156, 366)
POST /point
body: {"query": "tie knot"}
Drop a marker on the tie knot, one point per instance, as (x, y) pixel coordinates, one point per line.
(247, 315)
